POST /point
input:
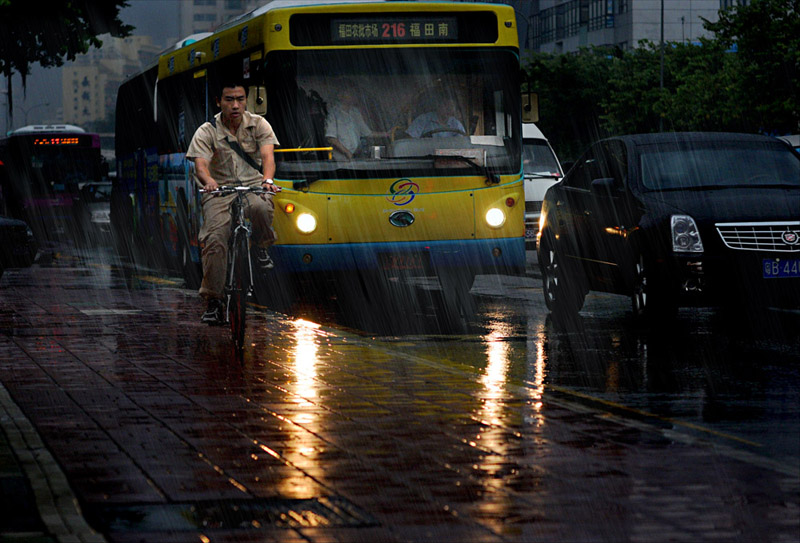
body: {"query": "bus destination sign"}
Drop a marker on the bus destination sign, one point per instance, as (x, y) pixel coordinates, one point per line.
(69, 140)
(394, 30)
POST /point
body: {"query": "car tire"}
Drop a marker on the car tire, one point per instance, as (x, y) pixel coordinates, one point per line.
(564, 293)
(649, 301)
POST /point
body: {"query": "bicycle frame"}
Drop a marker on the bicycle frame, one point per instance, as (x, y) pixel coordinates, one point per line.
(239, 280)
(239, 227)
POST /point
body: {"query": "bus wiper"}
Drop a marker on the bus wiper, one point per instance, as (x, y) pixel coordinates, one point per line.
(543, 175)
(491, 177)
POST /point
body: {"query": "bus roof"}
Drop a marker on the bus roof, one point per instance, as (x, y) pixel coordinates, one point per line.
(46, 129)
(249, 32)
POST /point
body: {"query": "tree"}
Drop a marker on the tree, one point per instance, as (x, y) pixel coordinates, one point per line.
(52, 31)
(766, 35)
(570, 89)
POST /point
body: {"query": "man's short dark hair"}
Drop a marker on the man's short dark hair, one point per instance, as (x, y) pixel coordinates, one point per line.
(229, 83)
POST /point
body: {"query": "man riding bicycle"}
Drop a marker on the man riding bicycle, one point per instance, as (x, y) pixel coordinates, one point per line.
(236, 147)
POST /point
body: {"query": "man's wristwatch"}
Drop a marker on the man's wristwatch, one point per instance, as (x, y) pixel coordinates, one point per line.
(267, 182)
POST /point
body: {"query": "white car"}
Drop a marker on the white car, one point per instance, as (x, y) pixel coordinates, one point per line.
(541, 169)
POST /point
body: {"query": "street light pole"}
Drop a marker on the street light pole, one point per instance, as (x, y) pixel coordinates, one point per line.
(25, 111)
(661, 82)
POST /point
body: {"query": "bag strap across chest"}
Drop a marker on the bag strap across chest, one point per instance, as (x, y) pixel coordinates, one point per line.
(238, 149)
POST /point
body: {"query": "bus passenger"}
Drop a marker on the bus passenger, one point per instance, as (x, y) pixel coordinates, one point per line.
(440, 123)
(345, 126)
(217, 163)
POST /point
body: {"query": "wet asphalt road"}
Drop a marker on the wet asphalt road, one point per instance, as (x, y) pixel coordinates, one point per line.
(503, 427)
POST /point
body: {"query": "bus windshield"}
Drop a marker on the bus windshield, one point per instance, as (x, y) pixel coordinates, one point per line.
(397, 111)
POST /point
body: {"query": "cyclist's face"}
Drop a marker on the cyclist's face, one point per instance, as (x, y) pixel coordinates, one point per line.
(232, 102)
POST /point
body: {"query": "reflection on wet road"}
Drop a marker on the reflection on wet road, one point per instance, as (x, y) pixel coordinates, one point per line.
(509, 428)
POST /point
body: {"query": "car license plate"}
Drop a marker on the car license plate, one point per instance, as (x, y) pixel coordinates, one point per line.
(416, 263)
(530, 233)
(775, 268)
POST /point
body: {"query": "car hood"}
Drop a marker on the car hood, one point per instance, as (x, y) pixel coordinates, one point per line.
(9, 222)
(729, 204)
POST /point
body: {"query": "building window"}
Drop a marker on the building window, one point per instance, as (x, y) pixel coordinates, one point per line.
(234, 4)
(725, 4)
(205, 2)
(543, 27)
(204, 17)
(622, 6)
(601, 14)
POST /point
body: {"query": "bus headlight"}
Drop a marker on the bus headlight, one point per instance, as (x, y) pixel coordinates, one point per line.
(306, 223)
(495, 217)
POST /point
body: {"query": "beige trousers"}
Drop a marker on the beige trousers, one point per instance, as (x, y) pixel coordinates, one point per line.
(216, 230)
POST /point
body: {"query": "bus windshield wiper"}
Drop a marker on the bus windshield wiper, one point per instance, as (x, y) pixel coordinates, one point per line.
(543, 175)
(491, 177)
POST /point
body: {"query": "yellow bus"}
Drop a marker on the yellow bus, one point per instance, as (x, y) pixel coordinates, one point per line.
(405, 200)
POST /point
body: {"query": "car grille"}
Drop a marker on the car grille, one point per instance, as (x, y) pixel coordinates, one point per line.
(761, 236)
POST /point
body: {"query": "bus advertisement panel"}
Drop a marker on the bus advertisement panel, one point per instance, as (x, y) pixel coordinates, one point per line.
(402, 197)
(45, 168)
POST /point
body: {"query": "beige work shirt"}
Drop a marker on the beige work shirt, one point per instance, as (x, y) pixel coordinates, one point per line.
(225, 164)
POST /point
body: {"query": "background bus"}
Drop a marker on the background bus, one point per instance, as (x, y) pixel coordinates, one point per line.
(44, 168)
(444, 205)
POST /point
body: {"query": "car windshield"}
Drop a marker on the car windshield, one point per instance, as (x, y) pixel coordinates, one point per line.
(720, 164)
(96, 192)
(538, 158)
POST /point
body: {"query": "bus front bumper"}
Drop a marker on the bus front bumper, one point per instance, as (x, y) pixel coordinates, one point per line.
(490, 256)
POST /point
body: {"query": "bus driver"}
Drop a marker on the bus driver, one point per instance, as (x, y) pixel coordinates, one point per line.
(217, 163)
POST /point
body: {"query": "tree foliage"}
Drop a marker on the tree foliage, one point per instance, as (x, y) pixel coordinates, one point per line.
(49, 32)
(746, 78)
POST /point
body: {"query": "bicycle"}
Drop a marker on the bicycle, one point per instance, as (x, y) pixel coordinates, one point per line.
(239, 280)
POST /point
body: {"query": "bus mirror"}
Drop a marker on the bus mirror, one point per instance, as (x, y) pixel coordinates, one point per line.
(257, 100)
(530, 107)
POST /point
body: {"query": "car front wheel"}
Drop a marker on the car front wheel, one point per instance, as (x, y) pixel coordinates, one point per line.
(563, 293)
(648, 299)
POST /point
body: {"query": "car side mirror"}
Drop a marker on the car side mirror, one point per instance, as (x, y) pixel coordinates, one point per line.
(604, 186)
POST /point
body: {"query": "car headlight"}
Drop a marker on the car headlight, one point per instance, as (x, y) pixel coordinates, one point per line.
(495, 217)
(306, 223)
(685, 236)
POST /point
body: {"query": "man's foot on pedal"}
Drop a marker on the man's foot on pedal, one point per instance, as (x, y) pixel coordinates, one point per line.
(265, 262)
(215, 314)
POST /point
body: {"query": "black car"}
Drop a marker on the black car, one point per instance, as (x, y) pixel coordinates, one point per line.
(17, 245)
(675, 219)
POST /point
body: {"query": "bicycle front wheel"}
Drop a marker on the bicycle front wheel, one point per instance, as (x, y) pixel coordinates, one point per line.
(237, 296)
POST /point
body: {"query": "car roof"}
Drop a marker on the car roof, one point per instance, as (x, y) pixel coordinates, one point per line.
(689, 137)
(531, 131)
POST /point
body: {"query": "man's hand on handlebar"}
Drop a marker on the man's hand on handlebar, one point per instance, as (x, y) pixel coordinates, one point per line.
(221, 190)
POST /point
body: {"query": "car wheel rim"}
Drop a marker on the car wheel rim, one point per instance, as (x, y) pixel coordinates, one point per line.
(640, 290)
(551, 275)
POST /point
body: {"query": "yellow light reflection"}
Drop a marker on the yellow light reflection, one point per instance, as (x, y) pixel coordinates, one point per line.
(302, 443)
(494, 379)
(494, 436)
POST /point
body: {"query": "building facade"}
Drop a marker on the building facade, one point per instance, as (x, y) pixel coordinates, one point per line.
(198, 16)
(564, 26)
(89, 84)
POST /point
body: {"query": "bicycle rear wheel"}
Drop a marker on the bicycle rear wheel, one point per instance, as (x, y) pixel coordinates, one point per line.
(237, 295)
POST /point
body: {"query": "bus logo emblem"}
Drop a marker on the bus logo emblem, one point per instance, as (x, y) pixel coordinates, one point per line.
(402, 192)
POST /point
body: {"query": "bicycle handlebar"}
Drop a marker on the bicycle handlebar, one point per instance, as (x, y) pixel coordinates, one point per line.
(222, 190)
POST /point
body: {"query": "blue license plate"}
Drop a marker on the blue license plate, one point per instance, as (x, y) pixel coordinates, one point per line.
(775, 268)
